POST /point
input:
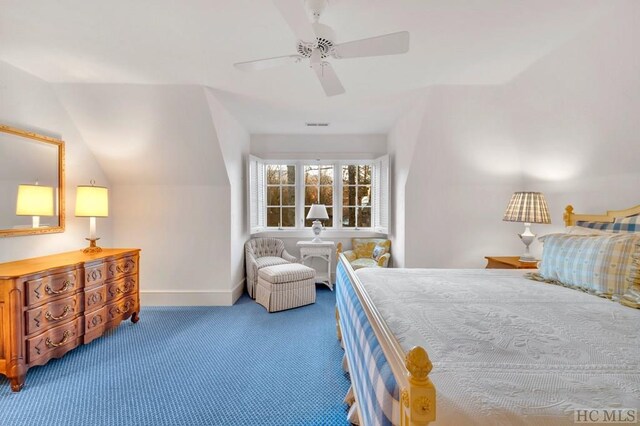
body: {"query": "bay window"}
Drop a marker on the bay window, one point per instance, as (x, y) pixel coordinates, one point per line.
(355, 193)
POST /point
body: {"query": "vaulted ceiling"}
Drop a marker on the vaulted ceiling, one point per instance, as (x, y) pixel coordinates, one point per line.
(196, 42)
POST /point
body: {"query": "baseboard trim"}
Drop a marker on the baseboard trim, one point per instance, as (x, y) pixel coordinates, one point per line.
(237, 291)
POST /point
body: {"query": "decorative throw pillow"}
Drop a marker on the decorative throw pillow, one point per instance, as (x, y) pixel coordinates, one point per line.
(600, 264)
(632, 296)
(621, 224)
(377, 252)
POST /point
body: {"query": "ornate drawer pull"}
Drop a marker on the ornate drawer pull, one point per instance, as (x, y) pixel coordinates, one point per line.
(65, 286)
(65, 337)
(127, 288)
(65, 311)
(126, 308)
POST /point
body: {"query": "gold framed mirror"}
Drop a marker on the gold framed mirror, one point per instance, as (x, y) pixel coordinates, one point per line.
(31, 183)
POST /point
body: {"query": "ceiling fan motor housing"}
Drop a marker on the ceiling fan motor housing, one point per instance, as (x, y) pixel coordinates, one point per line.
(325, 37)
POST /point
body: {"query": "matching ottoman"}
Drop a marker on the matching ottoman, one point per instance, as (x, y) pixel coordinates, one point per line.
(287, 286)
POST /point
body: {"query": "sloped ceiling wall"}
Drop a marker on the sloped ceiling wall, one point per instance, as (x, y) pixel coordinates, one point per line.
(171, 186)
(566, 127)
(28, 103)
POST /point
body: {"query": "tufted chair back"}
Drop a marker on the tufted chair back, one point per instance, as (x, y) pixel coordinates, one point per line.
(260, 247)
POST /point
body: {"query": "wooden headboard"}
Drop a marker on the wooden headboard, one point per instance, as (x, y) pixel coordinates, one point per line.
(570, 218)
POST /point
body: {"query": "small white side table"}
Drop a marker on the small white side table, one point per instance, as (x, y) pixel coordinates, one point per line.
(323, 250)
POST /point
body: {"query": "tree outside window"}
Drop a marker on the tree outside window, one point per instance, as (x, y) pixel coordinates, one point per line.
(318, 189)
(281, 195)
(356, 196)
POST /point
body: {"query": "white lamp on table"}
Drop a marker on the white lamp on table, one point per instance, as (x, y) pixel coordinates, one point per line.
(527, 207)
(92, 202)
(317, 212)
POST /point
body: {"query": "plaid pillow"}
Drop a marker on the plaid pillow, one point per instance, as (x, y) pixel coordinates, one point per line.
(632, 296)
(600, 264)
(624, 224)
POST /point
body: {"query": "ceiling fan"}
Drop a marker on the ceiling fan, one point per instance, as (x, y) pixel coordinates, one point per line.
(316, 42)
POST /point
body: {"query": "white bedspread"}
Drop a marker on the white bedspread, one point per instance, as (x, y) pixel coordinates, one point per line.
(507, 350)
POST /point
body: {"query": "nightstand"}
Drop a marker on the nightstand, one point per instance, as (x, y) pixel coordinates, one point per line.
(323, 250)
(508, 262)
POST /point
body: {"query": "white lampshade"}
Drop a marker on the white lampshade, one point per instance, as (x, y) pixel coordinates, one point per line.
(92, 201)
(34, 200)
(318, 212)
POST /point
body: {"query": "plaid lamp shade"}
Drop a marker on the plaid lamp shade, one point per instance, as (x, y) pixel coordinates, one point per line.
(528, 207)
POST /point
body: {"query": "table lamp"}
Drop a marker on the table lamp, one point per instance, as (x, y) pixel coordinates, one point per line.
(317, 212)
(92, 202)
(34, 201)
(527, 207)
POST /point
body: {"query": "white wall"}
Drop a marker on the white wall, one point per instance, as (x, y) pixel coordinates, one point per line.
(566, 127)
(29, 103)
(234, 143)
(334, 147)
(172, 190)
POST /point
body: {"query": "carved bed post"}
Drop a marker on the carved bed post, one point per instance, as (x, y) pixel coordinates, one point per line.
(418, 399)
(568, 215)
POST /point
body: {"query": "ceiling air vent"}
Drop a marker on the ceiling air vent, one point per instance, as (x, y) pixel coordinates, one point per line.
(317, 124)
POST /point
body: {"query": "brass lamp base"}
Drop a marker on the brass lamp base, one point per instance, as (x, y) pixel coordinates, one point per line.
(93, 248)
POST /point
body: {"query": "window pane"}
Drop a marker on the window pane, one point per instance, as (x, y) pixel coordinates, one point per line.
(348, 195)
(364, 217)
(273, 216)
(288, 216)
(349, 217)
(289, 195)
(310, 175)
(329, 222)
(310, 195)
(273, 195)
(364, 174)
(326, 175)
(364, 195)
(288, 175)
(349, 175)
(326, 195)
(273, 174)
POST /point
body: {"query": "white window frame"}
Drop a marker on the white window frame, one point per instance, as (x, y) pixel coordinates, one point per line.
(379, 194)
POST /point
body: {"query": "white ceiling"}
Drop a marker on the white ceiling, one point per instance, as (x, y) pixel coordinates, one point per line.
(197, 41)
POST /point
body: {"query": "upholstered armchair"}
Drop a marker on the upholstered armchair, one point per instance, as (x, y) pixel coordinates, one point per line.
(368, 253)
(262, 252)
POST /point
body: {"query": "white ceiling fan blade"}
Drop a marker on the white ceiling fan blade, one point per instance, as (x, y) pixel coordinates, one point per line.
(390, 44)
(294, 12)
(328, 78)
(262, 64)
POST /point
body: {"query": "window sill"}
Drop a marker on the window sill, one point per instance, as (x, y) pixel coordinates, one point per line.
(325, 235)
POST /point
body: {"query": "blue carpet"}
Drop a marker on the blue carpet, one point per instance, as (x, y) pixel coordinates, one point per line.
(192, 366)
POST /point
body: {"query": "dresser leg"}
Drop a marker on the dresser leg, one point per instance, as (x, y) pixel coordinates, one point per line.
(135, 317)
(17, 382)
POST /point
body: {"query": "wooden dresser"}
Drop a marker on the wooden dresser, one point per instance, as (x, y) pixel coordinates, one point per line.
(52, 304)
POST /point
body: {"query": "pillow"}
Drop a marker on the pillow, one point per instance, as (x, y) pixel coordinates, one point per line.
(600, 264)
(377, 252)
(632, 296)
(622, 224)
(581, 230)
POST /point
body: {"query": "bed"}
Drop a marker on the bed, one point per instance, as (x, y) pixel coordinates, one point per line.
(484, 346)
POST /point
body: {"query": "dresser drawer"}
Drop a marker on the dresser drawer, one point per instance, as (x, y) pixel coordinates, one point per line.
(95, 298)
(45, 288)
(95, 320)
(95, 275)
(54, 342)
(121, 267)
(52, 314)
(121, 309)
(121, 287)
